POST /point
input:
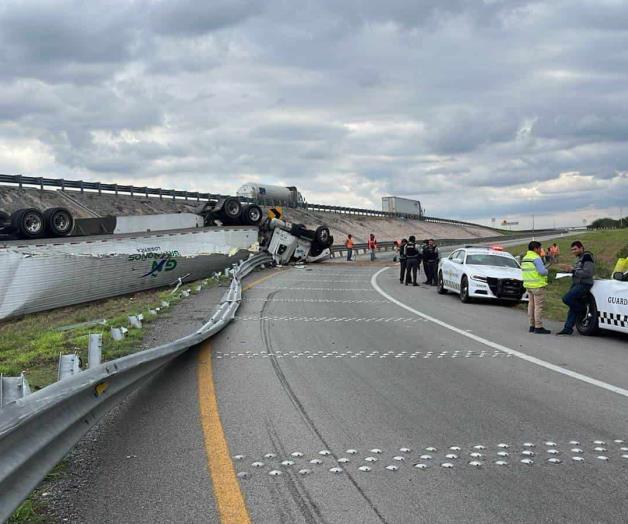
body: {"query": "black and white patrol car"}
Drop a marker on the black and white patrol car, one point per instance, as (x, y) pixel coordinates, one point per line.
(607, 307)
(481, 272)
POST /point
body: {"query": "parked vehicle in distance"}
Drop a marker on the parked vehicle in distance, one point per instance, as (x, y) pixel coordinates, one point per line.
(395, 204)
(480, 272)
(267, 193)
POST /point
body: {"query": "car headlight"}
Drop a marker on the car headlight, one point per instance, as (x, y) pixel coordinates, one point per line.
(478, 278)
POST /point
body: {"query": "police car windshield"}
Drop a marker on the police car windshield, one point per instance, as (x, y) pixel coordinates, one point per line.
(491, 260)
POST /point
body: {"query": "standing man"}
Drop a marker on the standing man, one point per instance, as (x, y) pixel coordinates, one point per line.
(349, 246)
(372, 245)
(535, 281)
(582, 282)
(430, 262)
(412, 261)
(402, 259)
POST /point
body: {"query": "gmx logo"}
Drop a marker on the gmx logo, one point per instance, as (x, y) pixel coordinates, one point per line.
(166, 264)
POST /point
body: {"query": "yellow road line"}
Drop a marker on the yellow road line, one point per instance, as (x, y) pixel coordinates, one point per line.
(260, 280)
(229, 499)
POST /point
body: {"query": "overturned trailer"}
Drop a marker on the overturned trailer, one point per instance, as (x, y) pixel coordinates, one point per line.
(37, 276)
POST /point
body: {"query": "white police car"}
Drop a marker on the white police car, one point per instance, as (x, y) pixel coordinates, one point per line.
(480, 272)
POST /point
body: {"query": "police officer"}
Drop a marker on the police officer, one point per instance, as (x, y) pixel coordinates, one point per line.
(402, 259)
(430, 262)
(412, 260)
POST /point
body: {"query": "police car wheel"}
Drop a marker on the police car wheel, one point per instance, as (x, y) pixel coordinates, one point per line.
(441, 284)
(588, 325)
(464, 291)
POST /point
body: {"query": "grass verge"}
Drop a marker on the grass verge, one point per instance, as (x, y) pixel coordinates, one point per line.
(605, 246)
(32, 343)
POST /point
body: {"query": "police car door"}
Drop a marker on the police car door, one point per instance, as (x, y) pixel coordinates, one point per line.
(457, 268)
(450, 269)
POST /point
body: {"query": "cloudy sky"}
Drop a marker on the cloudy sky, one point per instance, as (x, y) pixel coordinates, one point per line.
(479, 109)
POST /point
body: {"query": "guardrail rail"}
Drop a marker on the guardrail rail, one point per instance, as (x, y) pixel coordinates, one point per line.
(38, 429)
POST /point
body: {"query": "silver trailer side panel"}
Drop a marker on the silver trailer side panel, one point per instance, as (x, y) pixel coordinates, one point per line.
(38, 277)
(163, 222)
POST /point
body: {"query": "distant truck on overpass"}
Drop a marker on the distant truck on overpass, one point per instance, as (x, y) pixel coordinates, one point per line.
(267, 193)
(395, 204)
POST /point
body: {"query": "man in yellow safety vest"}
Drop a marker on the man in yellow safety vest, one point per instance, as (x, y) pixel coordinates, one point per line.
(535, 281)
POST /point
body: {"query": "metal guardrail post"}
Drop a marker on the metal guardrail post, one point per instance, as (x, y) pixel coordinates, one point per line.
(69, 365)
(13, 388)
(94, 350)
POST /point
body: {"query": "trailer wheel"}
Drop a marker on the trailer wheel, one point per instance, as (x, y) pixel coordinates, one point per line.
(322, 235)
(252, 214)
(231, 208)
(588, 324)
(59, 221)
(29, 223)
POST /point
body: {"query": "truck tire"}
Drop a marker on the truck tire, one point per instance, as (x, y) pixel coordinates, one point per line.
(464, 290)
(59, 221)
(588, 324)
(323, 236)
(5, 219)
(252, 215)
(28, 223)
(231, 208)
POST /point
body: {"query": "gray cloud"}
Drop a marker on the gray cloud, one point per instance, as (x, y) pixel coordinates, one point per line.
(477, 108)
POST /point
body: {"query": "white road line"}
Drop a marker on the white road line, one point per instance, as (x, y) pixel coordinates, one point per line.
(494, 345)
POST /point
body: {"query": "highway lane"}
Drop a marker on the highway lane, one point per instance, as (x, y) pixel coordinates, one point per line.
(364, 375)
(320, 367)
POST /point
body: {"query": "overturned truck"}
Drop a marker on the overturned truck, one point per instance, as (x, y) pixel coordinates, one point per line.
(137, 253)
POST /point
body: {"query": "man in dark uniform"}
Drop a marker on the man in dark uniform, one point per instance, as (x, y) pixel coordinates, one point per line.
(430, 262)
(582, 282)
(412, 260)
(402, 259)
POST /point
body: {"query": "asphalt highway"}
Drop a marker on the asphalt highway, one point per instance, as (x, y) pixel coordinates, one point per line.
(340, 396)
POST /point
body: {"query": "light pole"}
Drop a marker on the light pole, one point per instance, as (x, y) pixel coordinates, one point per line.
(533, 228)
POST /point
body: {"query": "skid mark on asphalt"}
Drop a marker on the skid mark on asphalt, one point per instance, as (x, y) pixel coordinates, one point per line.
(266, 338)
(517, 457)
(500, 347)
(363, 355)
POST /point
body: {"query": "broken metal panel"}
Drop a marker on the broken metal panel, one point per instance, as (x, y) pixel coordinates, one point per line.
(41, 277)
(13, 388)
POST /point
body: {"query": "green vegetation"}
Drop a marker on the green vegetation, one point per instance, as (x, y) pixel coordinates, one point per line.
(606, 246)
(33, 509)
(609, 223)
(33, 343)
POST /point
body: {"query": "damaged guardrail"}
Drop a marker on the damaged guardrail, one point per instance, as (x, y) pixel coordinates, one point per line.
(38, 429)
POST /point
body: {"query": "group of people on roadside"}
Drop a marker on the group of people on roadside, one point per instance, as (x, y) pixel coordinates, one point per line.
(535, 271)
(371, 246)
(411, 254)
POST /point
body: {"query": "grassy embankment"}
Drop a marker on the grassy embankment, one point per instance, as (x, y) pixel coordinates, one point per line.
(33, 343)
(605, 246)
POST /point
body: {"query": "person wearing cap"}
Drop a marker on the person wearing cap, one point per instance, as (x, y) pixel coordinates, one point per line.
(535, 281)
(430, 262)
